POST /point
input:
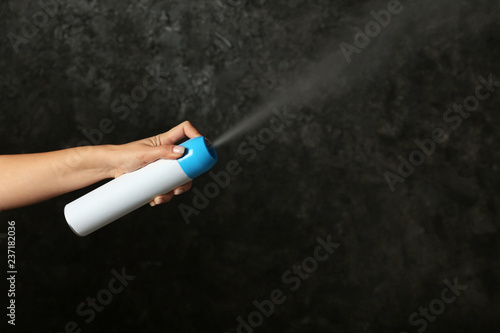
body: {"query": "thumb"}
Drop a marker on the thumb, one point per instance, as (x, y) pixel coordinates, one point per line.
(169, 152)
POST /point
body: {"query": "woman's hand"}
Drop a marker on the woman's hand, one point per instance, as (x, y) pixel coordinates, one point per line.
(135, 155)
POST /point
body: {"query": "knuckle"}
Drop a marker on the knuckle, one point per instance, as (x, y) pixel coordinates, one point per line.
(156, 140)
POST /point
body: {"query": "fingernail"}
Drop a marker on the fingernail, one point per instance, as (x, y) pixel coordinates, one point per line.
(152, 204)
(159, 201)
(178, 191)
(179, 150)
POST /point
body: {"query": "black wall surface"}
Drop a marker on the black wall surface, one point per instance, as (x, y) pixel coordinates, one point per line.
(396, 254)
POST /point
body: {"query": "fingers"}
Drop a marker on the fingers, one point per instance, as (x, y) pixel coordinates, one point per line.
(179, 132)
(163, 143)
(168, 196)
(169, 152)
(183, 188)
(162, 199)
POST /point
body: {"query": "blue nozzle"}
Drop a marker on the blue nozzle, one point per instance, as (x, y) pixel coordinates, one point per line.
(199, 157)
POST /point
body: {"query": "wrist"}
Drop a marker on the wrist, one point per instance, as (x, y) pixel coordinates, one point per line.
(107, 156)
(98, 160)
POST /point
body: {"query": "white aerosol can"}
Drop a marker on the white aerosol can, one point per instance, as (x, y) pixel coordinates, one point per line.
(132, 190)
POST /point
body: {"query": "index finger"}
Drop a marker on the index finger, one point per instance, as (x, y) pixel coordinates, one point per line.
(179, 132)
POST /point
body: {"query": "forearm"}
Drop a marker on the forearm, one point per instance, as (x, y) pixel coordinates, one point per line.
(30, 178)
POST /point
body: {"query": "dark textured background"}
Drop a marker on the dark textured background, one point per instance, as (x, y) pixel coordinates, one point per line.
(319, 177)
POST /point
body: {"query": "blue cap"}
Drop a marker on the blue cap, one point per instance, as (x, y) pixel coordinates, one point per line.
(198, 158)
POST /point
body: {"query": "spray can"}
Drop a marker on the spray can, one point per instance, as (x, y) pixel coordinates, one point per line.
(132, 190)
